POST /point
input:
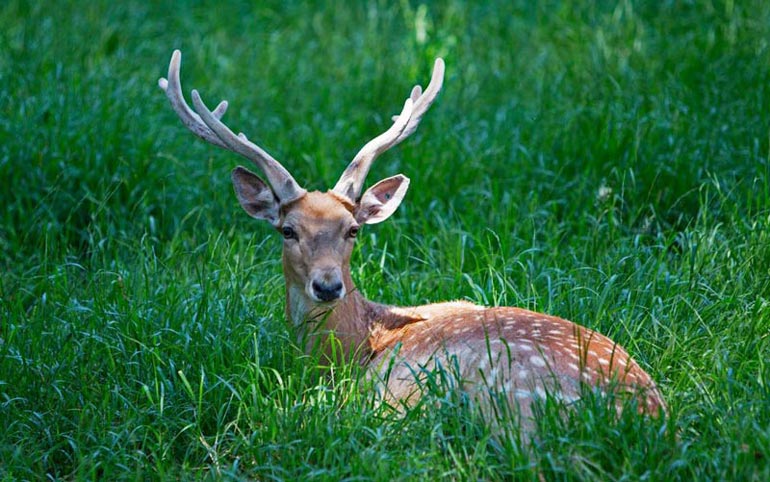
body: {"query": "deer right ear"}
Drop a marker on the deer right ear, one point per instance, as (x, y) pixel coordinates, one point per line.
(255, 196)
(382, 200)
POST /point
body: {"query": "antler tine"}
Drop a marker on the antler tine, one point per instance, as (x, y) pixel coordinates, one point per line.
(191, 120)
(352, 180)
(423, 100)
(207, 125)
(283, 184)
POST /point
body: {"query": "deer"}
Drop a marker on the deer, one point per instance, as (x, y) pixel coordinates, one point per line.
(523, 356)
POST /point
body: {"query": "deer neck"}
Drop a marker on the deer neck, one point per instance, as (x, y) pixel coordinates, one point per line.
(362, 327)
(349, 318)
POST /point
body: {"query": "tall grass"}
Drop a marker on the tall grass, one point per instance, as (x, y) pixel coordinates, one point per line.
(607, 162)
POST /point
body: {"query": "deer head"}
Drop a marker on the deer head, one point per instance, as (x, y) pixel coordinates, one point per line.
(318, 229)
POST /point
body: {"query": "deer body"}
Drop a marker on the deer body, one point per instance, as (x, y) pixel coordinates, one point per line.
(524, 356)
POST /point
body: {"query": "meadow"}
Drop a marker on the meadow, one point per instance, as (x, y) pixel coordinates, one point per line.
(605, 162)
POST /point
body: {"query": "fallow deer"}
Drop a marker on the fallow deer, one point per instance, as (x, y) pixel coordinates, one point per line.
(523, 355)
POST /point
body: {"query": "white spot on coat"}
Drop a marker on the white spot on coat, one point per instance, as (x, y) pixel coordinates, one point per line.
(537, 361)
(519, 393)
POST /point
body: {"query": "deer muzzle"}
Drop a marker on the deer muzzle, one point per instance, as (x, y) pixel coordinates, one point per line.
(325, 285)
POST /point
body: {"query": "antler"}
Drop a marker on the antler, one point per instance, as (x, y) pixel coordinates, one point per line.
(352, 180)
(206, 124)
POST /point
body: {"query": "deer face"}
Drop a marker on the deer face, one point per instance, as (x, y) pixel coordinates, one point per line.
(318, 229)
(318, 235)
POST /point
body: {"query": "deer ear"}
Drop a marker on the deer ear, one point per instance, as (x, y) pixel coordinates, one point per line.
(382, 200)
(255, 196)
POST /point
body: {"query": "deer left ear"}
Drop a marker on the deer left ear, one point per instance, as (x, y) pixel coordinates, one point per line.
(255, 196)
(382, 200)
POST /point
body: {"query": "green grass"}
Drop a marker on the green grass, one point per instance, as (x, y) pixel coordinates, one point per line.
(608, 163)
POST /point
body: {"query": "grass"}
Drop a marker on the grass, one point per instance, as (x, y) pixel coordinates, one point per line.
(607, 162)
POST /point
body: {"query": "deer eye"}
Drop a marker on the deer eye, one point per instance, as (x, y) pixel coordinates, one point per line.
(288, 233)
(353, 232)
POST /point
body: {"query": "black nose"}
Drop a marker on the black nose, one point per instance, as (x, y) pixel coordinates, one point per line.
(327, 292)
